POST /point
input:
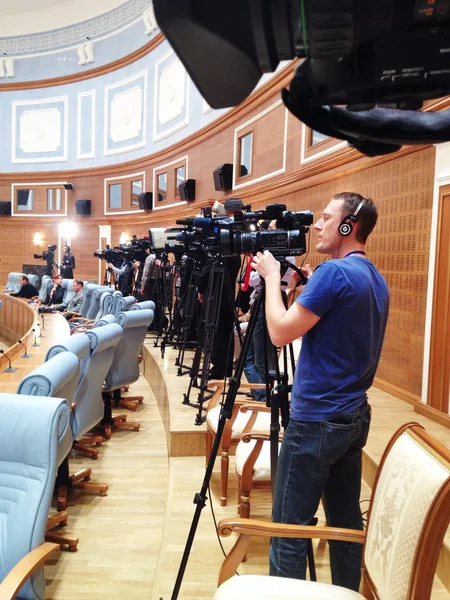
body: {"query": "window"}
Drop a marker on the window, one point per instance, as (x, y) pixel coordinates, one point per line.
(25, 199)
(180, 176)
(136, 189)
(162, 187)
(53, 199)
(115, 195)
(245, 154)
(317, 137)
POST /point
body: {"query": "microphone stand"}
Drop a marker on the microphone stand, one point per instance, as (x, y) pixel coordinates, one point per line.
(36, 336)
(10, 369)
(25, 354)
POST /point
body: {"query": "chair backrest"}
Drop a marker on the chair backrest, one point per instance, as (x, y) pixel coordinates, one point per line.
(46, 283)
(116, 295)
(13, 285)
(125, 366)
(30, 431)
(145, 305)
(58, 377)
(124, 304)
(67, 285)
(106, 303)
(33, 279)
(106, 320)
(95, 301)
(88, 410)
(87, 298)
(408, 516)
(79, 345)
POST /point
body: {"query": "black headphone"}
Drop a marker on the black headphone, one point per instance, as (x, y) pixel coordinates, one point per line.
(346, 225)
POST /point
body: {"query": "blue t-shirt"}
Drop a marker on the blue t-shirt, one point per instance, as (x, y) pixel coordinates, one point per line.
(340, 354)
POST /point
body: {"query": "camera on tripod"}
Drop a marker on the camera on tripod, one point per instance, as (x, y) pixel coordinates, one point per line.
(110, 255)
(242, 234)
(48, 255)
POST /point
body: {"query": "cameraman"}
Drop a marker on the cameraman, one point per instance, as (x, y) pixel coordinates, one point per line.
(68, 264)
(255, 360)
(122, 275)
(341, 314)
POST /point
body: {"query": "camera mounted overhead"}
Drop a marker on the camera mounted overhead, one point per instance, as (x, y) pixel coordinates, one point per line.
(381, 60)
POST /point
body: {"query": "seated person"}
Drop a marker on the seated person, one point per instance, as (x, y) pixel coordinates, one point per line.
(56, 294)
(28, 290)
(74, 306)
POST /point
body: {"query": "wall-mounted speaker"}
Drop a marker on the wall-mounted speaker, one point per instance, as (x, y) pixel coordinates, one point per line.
(68, 186)
(223, 177)
(83, 207)
(187, 189)
(5, 209)
(146, 201)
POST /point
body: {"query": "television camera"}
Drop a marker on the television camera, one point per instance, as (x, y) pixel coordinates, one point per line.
(49, 257)
(241, 234)
(355, 55)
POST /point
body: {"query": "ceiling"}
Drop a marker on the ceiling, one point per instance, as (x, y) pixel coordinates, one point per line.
(22, 17)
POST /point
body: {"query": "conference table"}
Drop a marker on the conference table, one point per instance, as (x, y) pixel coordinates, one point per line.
(43, 331)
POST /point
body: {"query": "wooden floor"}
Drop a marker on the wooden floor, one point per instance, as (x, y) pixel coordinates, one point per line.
(131, 541)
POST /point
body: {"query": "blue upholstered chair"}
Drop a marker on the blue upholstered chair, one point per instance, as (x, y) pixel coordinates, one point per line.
(95, 301)
(46, 284)
(88, 292)
(33, 279)
(57, 377)
(106, 302)
(145, 305)
(106, 320)
(31, 432)
(124, 304)
(13, 285)
(116, 295)
(125, 366)
(95, 349)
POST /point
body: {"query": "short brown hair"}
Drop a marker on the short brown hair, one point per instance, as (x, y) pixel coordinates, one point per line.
(79, 282)
(367, 215)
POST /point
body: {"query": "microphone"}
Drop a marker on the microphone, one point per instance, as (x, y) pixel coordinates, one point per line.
(25, 354)
(10, 369)
(35, 331)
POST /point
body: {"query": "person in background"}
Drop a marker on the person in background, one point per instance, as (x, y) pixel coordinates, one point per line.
(68, 264)
(56, 293)
(74, 306)
(28, 290)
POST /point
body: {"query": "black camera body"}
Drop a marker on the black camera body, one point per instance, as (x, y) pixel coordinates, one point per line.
(241, 235)
(47, 255)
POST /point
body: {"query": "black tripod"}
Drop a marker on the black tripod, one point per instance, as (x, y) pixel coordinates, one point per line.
(219, 280)
(163, 296)
(188, 306)
(279, 401)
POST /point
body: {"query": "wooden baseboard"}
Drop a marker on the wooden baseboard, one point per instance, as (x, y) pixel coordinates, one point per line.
(434, 415)
(396, 391)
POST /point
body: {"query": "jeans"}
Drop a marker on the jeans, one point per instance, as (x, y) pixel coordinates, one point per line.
(321, 458)
(255, 364)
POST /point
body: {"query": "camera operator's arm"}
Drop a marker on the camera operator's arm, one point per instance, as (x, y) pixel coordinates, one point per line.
(118, 270)
(284, 326)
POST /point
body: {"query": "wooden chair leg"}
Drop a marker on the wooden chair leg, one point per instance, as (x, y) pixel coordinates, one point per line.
(244, 512)
(66, 541)
(91, 452)
(81, 481)
(224, 468)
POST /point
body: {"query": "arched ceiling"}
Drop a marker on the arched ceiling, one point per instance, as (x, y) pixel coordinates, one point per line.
(22, 17)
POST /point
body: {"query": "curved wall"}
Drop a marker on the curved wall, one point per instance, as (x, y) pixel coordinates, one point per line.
(58, 46)
(287, 166)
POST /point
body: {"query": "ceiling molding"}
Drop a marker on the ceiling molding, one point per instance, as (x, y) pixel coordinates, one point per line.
(61, 37)
(74, 77)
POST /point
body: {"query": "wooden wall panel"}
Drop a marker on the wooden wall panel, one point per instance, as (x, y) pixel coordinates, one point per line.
(401, 184)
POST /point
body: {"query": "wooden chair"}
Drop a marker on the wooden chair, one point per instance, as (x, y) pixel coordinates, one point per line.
(407, 520)
(253, 455)
(234, 427)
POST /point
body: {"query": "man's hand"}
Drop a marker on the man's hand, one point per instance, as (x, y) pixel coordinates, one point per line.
(266, 265)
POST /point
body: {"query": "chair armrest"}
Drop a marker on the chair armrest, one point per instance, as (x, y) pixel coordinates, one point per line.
(255, 435)
(262, 528)
(246, 528)
(255, 407)
(80, 318)
(15, 579)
